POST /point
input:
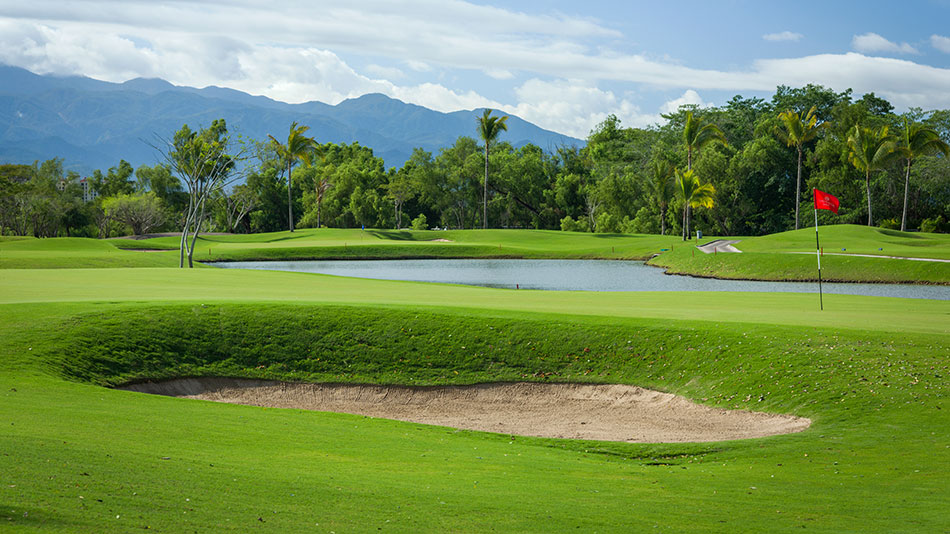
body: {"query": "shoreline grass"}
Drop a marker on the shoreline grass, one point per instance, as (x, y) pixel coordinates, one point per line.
(784, 256)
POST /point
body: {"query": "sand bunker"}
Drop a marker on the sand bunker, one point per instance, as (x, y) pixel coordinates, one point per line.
(575, 411)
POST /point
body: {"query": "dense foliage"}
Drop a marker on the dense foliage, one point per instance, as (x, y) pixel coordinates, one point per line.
(766, 157)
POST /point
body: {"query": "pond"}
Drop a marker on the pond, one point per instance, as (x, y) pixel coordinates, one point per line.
(569, 275)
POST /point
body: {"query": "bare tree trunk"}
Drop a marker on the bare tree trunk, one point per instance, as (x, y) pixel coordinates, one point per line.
(906, 191)
(867, 190)
(186, 228)
(662, 220)
(194, 235)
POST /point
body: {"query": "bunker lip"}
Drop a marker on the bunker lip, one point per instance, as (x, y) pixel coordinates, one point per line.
(606, 412)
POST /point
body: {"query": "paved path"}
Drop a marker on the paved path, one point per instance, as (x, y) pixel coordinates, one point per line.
(719, 245)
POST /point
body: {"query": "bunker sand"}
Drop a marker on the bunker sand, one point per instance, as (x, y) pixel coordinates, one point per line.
(573, 411)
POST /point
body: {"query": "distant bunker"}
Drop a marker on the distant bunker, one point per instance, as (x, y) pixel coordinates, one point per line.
(573, 411)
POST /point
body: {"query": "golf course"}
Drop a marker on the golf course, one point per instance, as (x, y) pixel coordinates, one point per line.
(863, 382)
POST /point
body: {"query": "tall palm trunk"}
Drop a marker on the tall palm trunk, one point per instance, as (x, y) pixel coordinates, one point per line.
(906, 191)
(798, 186)
(290, 204)
(684, 221)
(485, 192)
(689, 167)
(662, 220)
(867, 191)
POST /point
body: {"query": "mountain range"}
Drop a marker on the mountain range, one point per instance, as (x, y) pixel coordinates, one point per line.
(93, 124)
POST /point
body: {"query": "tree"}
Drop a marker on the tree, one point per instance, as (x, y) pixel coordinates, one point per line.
(916, 140)
(661, 185)
(141, 212)
(697, 133)
(870, 150)
(693, 193)
(297, 148)
(117, 181)
(489, 128)
(400, 188)
(238, 204)
(799, 128)
(203, 161)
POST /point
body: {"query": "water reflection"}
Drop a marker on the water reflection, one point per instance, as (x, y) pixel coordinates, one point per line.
(569, 275)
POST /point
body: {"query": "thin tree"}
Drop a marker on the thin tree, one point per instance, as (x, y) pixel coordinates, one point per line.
(297, 147)
(661, 182)
(489, 128)
(916, 140)
(697, 133)
(204, 161)
(693, 193)
(870, 150)
(799, 128)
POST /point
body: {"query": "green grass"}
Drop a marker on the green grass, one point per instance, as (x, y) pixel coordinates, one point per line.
(234, 285)
(76, 456)
(76, 252)
(784, 256)
(791, 256)
(874, 455)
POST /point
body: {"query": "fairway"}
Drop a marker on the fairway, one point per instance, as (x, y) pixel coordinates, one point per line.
(79, 456)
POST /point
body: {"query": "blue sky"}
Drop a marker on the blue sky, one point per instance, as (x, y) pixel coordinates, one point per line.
(562, 65)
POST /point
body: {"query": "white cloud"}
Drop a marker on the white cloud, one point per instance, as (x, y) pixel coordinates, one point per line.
(904, 83)
(440, 98)
(295, 54)
(872, 42)
(499, 74)
(390, 73)
(940, 43)
(783, 36)
(574, 107)
(689, 98)
(418, 66)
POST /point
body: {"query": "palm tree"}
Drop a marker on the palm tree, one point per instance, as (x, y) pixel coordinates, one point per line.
(917, 140)
(693, 193)
(660, 173)
(870, 150)
(297, 147)
(800, 128)
(489, 128)
(697, 133)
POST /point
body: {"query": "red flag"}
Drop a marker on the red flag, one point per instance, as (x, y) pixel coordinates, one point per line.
(824, 201)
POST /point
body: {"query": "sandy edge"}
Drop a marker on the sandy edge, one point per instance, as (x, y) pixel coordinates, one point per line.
(574, 411)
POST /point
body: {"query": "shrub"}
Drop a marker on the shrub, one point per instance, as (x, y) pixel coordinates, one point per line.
(891, 224)
(568, 224)
(937, 225)
(420, 222)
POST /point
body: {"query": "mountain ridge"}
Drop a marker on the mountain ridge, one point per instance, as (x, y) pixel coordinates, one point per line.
(93, 124)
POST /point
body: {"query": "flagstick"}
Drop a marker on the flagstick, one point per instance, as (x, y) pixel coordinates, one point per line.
(821, 304)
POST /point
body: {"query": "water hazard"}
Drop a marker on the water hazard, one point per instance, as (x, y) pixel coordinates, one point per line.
(570, 275)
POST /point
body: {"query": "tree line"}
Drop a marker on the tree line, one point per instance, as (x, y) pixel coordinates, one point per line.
(743, 168)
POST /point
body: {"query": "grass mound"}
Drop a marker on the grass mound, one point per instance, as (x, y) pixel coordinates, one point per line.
(758, 367)
(791, 256)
